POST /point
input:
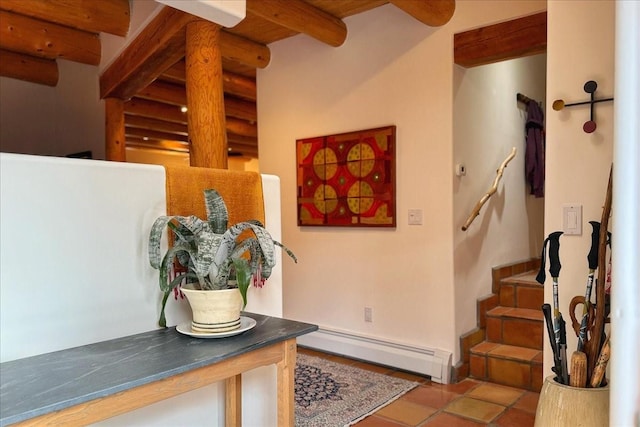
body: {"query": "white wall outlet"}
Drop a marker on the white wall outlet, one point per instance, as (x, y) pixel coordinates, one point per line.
(415, 216)
(368, 314)
(572, 219)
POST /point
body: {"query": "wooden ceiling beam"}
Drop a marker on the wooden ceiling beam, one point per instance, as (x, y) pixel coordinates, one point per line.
(165, 92)
(28, 68)
(240, 109)
(166, 112)
(242, 141)
(301, 17)
(498, 42)
(433, 13)
(155, 124)
(233, 84)
(153, 109)
(241, 86)
(244, 50)
(19, 33)
(168, 93)
(241, 127)
(158, 144)
(155, 134)
(250, 150)
(160, 45)
(107, 16)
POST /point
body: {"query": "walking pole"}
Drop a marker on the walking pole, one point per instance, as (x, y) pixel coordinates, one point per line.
(554, 269)
(592, 260)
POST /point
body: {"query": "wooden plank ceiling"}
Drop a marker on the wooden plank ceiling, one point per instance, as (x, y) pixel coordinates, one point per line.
(35, 33)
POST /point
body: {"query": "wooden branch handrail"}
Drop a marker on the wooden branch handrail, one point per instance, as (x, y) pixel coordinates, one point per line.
(494, 187)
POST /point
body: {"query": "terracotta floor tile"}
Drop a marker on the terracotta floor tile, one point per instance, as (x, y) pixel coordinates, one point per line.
(448, 420)
(376, 421)
(475, 409)
(461, 388)
(433, 397)
(510, 373)
(509, 351)
(516, 417)
(495, 393)
(528, 402)
(406, 412)
(469, 403)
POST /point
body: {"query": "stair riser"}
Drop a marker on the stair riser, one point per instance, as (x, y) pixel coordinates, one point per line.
(521, 296)
(517, 332)
(525, 375)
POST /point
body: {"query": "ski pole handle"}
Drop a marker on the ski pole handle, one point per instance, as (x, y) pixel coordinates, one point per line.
(592, 257)
(554, 253)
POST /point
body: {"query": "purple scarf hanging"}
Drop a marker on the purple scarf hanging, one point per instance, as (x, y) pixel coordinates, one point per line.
(534, 155)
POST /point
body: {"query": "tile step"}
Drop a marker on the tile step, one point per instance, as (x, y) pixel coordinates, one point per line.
(521, 291)
(509, 352)
(516, 313)
(519, 327)
(507, 365)
(524, 279)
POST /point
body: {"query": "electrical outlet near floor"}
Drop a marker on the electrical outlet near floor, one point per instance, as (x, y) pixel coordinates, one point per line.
(368, 314)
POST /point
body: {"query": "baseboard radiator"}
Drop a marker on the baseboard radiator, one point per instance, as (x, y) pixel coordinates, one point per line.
(432, 362)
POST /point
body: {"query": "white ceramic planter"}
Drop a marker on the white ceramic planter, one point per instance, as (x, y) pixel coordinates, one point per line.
(214, 311)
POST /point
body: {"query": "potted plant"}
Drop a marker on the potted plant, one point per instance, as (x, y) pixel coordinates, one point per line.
(210, 256)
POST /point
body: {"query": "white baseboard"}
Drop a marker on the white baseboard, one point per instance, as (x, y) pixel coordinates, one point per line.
(432, 362)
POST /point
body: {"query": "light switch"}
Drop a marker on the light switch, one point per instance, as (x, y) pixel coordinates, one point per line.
(572, 219)
(415, 216)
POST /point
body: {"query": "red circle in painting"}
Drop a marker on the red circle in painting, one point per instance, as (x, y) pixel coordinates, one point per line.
(589, 127)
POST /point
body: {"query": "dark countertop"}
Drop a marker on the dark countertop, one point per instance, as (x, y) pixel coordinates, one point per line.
(41, 384)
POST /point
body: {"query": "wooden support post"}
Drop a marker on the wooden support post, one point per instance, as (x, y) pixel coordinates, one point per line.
(115, 144)
(286, 369)
(233, 401)
(205, 96)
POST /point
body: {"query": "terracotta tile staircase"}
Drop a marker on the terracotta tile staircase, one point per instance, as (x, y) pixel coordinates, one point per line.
(506, 347)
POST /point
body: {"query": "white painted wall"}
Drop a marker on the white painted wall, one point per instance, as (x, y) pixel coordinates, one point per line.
(74, 270)
(488, 123)
(390, 70)
(580, 48)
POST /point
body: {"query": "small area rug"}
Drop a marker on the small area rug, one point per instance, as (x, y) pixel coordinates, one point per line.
(330, 394)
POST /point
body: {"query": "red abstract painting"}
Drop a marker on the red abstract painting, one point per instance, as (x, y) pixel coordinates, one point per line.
(347, 179)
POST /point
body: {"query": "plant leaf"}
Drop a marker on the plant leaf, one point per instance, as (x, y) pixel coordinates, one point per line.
(217, 214)
(243, 276)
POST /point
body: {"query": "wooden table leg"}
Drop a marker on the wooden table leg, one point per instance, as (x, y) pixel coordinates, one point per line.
(286, 396)
(233, 401)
